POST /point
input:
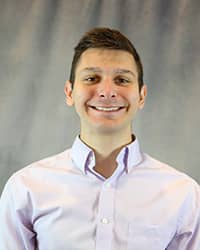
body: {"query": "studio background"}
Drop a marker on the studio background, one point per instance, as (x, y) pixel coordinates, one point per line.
(36, 48)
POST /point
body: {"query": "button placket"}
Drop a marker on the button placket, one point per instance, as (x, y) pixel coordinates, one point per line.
(105, 217)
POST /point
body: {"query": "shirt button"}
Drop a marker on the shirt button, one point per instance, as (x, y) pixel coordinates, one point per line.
(108, 185)
(105, 221)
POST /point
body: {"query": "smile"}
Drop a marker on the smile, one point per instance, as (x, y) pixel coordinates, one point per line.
(107, 109)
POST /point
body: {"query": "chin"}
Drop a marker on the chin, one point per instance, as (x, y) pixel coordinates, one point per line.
(108, 128)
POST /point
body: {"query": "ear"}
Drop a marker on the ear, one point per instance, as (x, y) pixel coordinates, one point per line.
(68, 93)
(143, 94)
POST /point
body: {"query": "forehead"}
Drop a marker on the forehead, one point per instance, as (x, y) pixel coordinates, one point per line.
(106, 59)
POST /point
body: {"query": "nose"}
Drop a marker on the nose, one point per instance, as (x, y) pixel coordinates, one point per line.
(107, 89)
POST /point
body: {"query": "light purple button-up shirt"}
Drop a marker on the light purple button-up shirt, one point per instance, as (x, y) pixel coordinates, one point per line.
(61, 203)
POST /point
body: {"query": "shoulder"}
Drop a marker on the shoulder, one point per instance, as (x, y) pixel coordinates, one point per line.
(171, 185)
(39, 171)
(161, 167)
(60, 160)
(169, 175)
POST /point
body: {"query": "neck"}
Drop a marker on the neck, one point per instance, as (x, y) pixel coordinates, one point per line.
(105, 144)
(106, 148)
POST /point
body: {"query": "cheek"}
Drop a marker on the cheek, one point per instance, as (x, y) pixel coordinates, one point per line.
(80, 99)
(134, 102)
(83, 94)
(133, 98)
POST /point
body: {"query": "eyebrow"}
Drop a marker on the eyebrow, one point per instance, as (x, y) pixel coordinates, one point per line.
(125, 71)
(93, 69)
(99, 70)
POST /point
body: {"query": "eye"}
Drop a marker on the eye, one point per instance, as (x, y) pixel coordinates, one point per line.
(122, 80)
(91, 79)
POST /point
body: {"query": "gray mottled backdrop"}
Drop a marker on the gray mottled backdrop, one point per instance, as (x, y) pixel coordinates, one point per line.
(36, 47)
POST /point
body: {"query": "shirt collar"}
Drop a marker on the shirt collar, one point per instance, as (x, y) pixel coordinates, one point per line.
(83, 156)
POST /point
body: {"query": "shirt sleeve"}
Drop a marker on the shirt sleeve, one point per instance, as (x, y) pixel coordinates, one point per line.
(16, 230)
(188, 235)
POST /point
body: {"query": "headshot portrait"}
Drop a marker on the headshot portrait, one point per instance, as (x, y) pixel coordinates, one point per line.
(99, 125)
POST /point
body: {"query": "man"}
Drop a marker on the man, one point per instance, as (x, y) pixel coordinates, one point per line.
(104, 192)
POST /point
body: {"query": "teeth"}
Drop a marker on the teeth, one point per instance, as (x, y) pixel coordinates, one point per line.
(107, 108)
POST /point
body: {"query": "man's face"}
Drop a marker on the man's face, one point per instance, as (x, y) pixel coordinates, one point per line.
(106, 92)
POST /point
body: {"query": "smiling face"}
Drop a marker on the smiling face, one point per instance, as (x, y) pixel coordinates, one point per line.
(106, 92)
